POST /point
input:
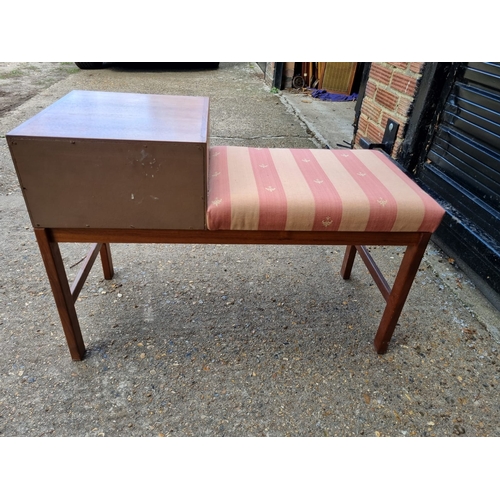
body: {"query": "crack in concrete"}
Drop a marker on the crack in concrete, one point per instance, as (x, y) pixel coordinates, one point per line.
(317, 137)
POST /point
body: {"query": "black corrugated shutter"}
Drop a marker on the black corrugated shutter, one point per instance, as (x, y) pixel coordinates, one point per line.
(463, 169)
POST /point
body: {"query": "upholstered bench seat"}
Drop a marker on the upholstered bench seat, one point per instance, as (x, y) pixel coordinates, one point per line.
(106, 168)
(314, 190)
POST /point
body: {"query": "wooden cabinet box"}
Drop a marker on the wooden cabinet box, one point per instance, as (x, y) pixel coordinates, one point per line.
(115, 160)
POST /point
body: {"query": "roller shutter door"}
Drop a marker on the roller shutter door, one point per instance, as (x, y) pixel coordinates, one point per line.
(463, 170)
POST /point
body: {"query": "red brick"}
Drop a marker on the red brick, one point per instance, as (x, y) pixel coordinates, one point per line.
(380, 73)
(386, 116)
(400, 65)
(404, 83)
(416, 67)
(404, 106)
(375, 133)
(386, 99)
(370, 90)
(372, 110)
(362, 126)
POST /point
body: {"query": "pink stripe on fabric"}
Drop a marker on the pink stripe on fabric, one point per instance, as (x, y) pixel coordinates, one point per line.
(328, 212)
(433, 212)
(219, 193)
(383, 206)
(272, 197)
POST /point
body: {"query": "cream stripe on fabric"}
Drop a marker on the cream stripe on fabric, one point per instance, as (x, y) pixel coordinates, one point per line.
(300, 213)
(355, 203)
(244, 193)
(410, 207)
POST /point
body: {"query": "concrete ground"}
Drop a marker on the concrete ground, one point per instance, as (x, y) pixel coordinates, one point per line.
(224, 340)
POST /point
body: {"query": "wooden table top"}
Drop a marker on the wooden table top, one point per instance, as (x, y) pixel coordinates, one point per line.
(121, 116)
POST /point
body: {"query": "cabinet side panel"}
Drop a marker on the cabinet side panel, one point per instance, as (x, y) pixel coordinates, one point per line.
(112, 184)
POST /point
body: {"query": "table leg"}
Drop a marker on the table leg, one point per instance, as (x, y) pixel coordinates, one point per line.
(58, 279)
(350, 254)
(107, 262)
(397, 298)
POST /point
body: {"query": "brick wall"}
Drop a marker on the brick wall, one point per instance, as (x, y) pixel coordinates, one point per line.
(389, 93)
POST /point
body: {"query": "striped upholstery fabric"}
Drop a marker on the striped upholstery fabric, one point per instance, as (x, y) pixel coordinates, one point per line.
(314, 190)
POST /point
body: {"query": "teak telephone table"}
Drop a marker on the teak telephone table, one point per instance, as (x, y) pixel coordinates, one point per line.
(106, 167)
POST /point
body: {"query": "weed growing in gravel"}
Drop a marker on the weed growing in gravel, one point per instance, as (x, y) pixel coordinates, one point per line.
(31, 67)
(15, 73)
